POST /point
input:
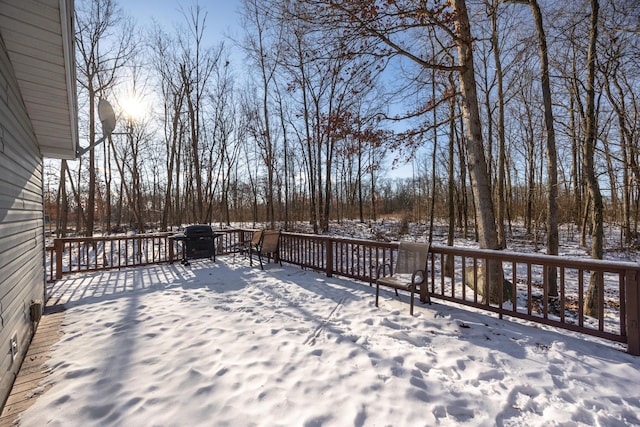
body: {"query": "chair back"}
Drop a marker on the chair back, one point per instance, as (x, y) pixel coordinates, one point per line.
(255, 239)
(411, 257)
(270, 241)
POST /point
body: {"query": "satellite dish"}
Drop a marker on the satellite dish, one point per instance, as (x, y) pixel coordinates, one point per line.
(107, 117)
(108, 120)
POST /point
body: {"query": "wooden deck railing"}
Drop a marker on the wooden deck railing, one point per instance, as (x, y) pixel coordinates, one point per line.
(83, 254)
(617, 319)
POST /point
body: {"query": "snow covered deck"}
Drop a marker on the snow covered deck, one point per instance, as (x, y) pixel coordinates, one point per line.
(226, 343)
(556, 299)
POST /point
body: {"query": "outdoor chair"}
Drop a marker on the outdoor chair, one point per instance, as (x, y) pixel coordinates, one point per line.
(409, 272)
(268, 246)
(245, 246)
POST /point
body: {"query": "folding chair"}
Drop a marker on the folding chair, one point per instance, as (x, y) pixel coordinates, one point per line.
(408, 274)
(269, 246)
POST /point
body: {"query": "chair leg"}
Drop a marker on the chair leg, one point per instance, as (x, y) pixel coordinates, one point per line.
(377, 293)
(260, 259)
(411, 309)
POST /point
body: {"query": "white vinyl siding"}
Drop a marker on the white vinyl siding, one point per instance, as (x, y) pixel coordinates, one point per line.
(21, 223)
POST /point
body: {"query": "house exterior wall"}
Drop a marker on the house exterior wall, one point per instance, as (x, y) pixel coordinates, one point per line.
(22, 275)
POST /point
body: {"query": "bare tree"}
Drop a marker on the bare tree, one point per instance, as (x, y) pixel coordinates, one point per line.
(100, 56)
(618, 74)
(197, 64)
(495, 45)
(588, 149)
(297, 65)
(384, 27)
(451, 184)
(225, 149)
(166, 63)
(485, 218)
(552, 163)
(263, 38)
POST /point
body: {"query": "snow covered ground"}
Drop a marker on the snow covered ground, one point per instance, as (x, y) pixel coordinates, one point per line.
(227, 344)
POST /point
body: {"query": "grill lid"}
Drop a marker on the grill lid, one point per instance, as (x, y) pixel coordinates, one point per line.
(198, 230)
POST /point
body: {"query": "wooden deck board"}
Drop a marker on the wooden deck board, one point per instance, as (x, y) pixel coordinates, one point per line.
(29, 382)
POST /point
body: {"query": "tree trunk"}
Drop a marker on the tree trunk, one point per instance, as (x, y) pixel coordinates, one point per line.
(626, 142)
(359, 183)
(308, 143)
(171, 160)
(486, 224)
(328, 184)
(449, 259)
(91, 196)
(194, 165)
(80, 216)
(531, 180)
(502, 238)
(107, 187)
(433, 161)
(285, 152)
(588, 149)
(463, 202)
(552, 162)
(64, 217)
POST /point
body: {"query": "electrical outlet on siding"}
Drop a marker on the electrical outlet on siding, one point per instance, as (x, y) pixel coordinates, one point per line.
(13, 344)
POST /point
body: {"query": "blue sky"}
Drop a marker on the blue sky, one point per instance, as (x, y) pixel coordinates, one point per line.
(222, 15)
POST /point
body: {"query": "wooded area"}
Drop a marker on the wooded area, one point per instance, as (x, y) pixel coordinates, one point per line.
(509, 112)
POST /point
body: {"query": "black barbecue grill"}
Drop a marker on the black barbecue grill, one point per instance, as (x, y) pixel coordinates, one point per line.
(198, 241)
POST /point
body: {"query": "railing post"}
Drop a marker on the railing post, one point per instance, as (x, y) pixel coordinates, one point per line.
(632, 304)
(58, 247)
(171, 251)
(328, 250)
(50, 253)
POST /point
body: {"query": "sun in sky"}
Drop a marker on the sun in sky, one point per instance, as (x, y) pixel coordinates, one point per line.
(133, 107)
